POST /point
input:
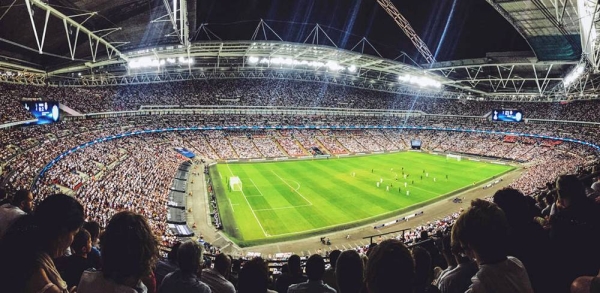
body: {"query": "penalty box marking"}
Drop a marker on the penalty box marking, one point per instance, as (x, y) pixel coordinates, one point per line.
(280, 208)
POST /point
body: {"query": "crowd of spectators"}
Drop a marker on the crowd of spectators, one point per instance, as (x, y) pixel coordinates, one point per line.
(123, 184)
(245, 148)
(268, 147)
(291, 147)
(500, 244)
(25, 161)
(282, 93)
(137, 180)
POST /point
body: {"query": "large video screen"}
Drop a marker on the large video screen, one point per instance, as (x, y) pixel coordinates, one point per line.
(45, 111)
(507, 115)
(415, 143)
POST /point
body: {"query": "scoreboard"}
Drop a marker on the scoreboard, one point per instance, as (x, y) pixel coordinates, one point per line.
(415, 144)
(45, 111)
(507, 115)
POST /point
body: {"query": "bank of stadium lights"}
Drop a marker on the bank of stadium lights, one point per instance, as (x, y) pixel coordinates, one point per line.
(331, 65)
(147, 62)
(421, 81)
(574, 74)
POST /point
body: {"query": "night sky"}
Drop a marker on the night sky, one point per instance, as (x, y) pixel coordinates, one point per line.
(452, 29)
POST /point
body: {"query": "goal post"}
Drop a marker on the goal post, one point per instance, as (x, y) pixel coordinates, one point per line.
(453, 157)
(235, 183)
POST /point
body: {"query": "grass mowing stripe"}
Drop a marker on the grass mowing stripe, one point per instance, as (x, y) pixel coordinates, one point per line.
(296, 190)
(249, 205)
(261, 194)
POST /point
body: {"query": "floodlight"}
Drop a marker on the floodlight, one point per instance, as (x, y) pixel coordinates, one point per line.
(352, 68)
(421, 81)
(333, 65)
(574, 74)
(253, 59)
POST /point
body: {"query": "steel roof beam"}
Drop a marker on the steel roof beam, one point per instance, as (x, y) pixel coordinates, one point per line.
(91, 35)
(389, 7)
(509, 64)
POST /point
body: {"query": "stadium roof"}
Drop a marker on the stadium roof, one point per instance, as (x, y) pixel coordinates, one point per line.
(91, 42)
(551, 27)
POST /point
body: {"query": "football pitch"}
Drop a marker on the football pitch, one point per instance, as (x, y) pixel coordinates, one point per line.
(290, 199)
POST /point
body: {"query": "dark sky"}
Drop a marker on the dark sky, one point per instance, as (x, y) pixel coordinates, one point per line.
(455, 29)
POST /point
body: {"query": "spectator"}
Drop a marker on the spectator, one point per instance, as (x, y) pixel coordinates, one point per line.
(31, 244)
(4, 199)
(575, 232)
(458, 279)
(447, 254)
(349, 272)
(166, 266)
(236, 266)
(586, 284)
(390, 268)
(21, 205)
(293, 277)
(423, 271)
(186, 278)
(527, 240)
(216, 278)
(94, 255)
(254, 277)
(129, 250)
(329, 276)
(315, 269)
(71, 267)
(549, 200)
(482, 232)
(427, 243)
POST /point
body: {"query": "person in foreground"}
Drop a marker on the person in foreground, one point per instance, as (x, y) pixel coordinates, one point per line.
(315, 269)
(349, 272)
(482, 232)
(216, 278)
(186, 279)
(28, 250)
(129, 251)
(254, 277)
(390, 268)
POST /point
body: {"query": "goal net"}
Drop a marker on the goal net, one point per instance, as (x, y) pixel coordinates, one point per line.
(235, 183)
(453, 157)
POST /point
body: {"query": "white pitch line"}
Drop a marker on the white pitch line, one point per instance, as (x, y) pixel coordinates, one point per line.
(282, 208)
(298, 192)
(344, 246)
(231, 204)
(229, 169)
(253, 213)
(261, 194)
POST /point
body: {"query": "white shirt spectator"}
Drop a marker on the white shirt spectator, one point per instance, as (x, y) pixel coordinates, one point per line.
(8, 215)
(508, 276)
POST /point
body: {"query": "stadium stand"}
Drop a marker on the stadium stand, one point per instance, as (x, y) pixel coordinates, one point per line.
(136, 173)
(282, 93)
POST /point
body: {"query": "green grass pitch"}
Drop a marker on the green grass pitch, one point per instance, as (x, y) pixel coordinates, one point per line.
(283, 200)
